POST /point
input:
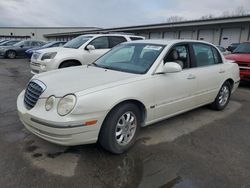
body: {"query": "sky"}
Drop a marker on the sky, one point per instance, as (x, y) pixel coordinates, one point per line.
(108, 13)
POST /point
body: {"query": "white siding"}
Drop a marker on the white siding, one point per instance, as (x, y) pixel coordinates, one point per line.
(156, 35)
(186, 35)
(229, 36)
(170, 35)
(206, 35)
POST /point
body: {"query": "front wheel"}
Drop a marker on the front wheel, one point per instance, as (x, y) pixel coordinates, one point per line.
(120, 128)
(223, 97)
(11, 54)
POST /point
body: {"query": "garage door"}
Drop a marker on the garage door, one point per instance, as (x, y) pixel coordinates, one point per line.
(170, 35)
(156, 35)
(186, 35)
(230, 36)
(206, 35)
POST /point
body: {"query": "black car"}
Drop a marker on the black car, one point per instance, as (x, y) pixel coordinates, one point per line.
(232, 47)
(9, 43)
(19, 48)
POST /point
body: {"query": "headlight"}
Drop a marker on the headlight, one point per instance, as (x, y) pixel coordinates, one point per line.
(50, 103)
(49, 55)
(66, 105)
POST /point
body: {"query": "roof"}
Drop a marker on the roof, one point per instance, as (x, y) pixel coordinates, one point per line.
(220, 20)
(111, 34)
(166, 41)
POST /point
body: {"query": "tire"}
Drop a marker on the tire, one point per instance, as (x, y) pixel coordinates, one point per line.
(69, 64)
(11, 54)
(115, 126)
(223, 97)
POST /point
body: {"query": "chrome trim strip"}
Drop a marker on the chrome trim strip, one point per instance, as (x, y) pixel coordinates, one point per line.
(54, 125)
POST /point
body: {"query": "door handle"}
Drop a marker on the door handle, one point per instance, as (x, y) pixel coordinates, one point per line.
(191, 76)
(222, 71)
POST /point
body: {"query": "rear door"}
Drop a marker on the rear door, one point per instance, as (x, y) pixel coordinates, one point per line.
(209, 72)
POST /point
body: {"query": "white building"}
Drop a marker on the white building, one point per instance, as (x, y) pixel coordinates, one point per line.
(219, 31)
(36, 33)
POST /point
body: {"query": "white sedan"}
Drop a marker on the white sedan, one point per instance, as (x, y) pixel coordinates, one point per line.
(133, 85)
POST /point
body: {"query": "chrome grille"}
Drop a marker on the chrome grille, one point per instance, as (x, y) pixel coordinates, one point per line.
(32, 93)
(244, 66)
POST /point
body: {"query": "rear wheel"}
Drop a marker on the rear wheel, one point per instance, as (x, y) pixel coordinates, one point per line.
(120, 128)
(11, 54)
(223, 97)
(69, 64)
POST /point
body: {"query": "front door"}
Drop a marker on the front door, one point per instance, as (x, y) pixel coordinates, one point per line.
(174, 91)
(101, 45)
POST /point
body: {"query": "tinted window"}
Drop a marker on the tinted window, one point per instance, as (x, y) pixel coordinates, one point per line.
(34, 43)
(113, 41)
(100, 43)
(136, 38)
(243, 48)
(204, 55)
(217, 56)
(27, 43)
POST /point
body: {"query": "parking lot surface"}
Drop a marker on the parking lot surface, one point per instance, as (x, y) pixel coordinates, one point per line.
(201, 148)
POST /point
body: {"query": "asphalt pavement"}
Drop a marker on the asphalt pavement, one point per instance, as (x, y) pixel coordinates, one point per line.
(198, 149)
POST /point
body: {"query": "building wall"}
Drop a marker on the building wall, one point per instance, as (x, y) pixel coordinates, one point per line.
(33, 33)
(210, 33)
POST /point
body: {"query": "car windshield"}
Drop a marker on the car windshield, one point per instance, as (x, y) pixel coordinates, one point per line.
(19, 43)
(243, 48)
(9, 43)
(77, 42)
(133, 58)
(48, 44)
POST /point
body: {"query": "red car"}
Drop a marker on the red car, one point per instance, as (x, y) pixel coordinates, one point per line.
(241, 56)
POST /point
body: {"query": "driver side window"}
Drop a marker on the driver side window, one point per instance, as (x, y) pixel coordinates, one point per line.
(179, 54)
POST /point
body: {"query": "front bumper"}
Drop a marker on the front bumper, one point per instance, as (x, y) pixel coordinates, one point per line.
(58, 130)
(245, 75)
(37, 66)
(2, 53)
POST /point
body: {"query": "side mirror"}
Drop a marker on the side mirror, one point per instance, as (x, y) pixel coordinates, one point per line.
(169, 67)
(90, 47)
(21, 46)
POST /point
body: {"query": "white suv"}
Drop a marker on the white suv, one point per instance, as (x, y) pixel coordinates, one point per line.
(82, 50)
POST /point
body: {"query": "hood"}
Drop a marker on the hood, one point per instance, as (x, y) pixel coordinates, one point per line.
(82, 78)
(57, 49)
(9, 47)
(239, 57)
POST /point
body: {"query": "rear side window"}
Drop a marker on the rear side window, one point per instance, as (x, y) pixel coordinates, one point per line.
(217, 56)
(100, 43)
(206, 55)
(113, 41)
(136, 38)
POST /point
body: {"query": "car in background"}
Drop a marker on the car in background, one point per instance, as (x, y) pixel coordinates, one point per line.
(3, 40)
(223, 50)
(241, 56)
(9, 43)
(134, 85)
(82, 50)
(52, 44)
(19, 48)
(232, 47)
